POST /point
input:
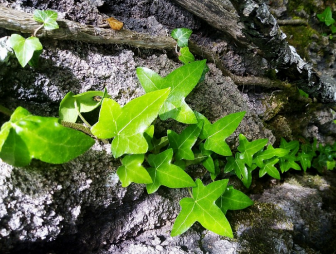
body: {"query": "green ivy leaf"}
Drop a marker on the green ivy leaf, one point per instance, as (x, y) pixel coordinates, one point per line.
(163, 172)
(216, 133)
(217, 170)
(306, 155)
(305, 160)
(326, 16)
(149, 79)
(133, 171)
(27, 136)
(269, 153)
(206, 125)
(248, 149)
(158, 144)
(182, 81)
(183, 143)
(333, 29)
(181, 35)
(109, 113)
(24, 48)
(288, 161)
(72, 105)
(208, 162)
(303, 94)
(128, 124)
(186, 56)
(34, 61)
(238, 165)
(233, 200)
(269, 168)
(202, 208)
(331, 165)
(47, 17)
(149, 135)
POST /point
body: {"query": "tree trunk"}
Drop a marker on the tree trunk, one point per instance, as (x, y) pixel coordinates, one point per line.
(80, 206)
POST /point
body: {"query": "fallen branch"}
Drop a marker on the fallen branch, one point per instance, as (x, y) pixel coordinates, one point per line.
(68, 30)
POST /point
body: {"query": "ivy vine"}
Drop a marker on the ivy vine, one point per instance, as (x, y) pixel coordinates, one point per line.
(146, 159)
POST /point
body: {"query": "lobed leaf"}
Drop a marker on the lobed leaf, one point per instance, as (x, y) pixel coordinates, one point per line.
(269, 153)
(186, 56)
(202, 208)
(219, 131)
(163, 172)
(248, 149)
(27, 136)
(233, 200)
(326, 16)
(106, 127)
(270, 169)
(128, 124)
(72, 105)
(133, 171)
(182, 81)
(47, 17)
(208, 162)
(183, 143)
(182, 36)
(24, 48)
(288, 161)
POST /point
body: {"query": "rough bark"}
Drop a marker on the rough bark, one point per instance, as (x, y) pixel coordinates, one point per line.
(219, 14)
(80, 207)
(261, 28)
(23, 22)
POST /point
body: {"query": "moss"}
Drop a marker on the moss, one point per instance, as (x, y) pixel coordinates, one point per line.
(252, 226)
(300, 37)
(295, 6)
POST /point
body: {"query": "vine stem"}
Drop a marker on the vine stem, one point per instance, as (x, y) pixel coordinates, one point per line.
(36, 30)
(5, 111)
(81, 128)
(190, 193)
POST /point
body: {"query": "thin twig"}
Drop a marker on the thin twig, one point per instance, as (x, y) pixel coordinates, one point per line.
(5, 111)
(292, 22)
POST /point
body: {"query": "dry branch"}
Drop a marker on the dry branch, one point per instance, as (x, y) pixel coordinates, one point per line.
(23, 22)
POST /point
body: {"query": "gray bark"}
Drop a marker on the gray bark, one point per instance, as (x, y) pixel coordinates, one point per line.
(24, 23)
(261, 28)
(80, 207)
(219, 14)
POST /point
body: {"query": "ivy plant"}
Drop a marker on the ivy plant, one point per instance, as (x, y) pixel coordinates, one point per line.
(327, 19)
(27, 50)
(161, 160)
(26, 136)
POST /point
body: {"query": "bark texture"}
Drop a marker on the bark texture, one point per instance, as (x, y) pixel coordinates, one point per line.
(73, 31)
(80, 206)
(262, 29)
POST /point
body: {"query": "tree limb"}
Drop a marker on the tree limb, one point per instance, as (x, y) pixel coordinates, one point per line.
(68, 30)
(219, 14)
(23, 22)
(261, 28)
